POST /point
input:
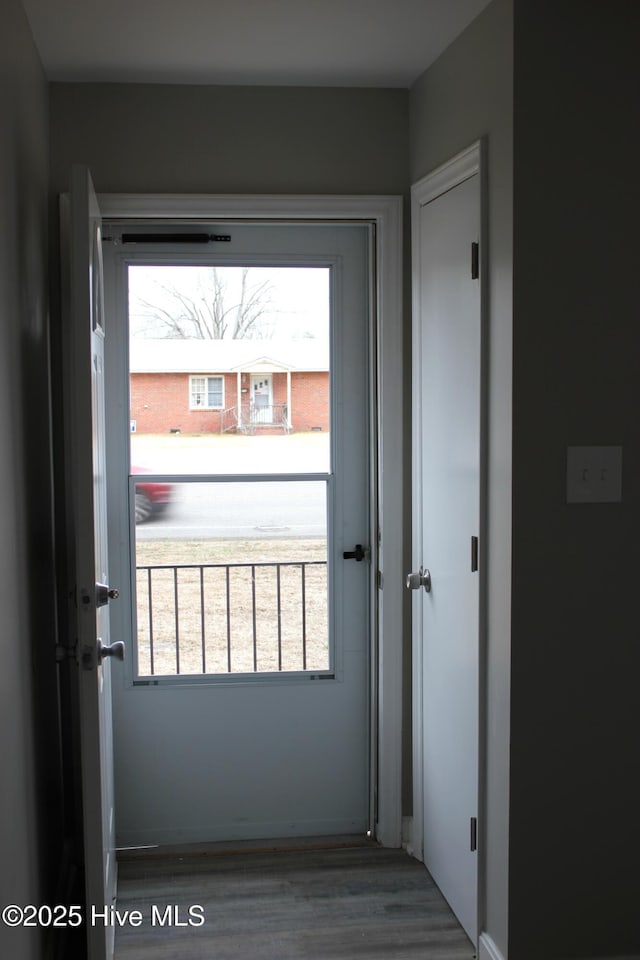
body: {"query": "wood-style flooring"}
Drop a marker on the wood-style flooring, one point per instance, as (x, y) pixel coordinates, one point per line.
(350, 903)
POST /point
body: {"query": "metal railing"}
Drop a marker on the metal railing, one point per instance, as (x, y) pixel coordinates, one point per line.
(251, 416)
(228, 419)
(224, 618)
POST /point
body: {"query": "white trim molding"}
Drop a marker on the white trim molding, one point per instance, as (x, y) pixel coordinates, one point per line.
(455, 171)
(487, 950)
(384, 213)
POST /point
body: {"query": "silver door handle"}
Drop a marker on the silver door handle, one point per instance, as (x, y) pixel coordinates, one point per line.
(420, 579)
(115, 649)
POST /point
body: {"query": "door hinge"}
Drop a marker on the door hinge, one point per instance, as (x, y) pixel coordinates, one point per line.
(473, 834)
(64, 652)
(89, 657)
(475, 261)
(474, 554)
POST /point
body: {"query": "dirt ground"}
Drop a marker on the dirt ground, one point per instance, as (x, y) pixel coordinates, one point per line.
(215, 612)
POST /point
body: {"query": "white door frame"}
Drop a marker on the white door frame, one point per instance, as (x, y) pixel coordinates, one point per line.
(445, 177)
(385, 214)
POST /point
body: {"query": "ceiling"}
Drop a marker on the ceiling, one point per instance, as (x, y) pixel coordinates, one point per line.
(357, 43)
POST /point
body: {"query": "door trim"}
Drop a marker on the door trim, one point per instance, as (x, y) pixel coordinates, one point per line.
(459, 168)
(387, 536)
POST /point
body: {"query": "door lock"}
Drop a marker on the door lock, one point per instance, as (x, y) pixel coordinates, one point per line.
(421, 579)
(359, 553)
(104, 594)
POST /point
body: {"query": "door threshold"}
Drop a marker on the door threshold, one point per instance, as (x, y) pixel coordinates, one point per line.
(230, 847)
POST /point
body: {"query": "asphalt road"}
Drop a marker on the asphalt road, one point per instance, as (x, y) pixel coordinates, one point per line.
(243, 510)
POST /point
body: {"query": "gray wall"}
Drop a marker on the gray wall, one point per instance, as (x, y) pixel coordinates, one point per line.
(30, 811)
(573, 846)
(155, 138)
(571, 792)
(465, 95)
(172, 139)
(575, 792)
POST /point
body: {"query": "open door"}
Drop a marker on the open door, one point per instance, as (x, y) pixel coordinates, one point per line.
(446, 528)
(87, 540)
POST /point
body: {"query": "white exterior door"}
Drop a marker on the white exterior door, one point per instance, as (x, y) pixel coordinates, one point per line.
(250, 740)
(261, 398)
(447, 420)
(86, 504)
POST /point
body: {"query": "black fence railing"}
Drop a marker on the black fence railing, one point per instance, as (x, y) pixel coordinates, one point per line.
(223, 618)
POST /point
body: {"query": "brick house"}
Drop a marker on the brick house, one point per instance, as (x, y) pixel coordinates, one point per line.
(217, 386)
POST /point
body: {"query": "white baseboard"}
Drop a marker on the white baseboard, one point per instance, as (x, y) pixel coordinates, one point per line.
(408, 839)
(487, 949)
(407, 830)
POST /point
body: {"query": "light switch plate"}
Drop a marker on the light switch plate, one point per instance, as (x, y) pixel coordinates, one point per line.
(594, 474)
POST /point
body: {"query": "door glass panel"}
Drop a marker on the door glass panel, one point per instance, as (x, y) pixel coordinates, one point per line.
(231, 577)
(229, 375)
(229, 369)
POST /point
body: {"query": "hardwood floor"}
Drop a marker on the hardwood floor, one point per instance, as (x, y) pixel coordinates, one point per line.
(362, 903)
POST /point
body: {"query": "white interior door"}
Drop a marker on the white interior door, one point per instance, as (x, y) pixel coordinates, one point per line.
(86, 504)
(247, 745)
(447, 398)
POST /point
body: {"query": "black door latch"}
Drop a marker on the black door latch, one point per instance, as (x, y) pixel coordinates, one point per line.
(358, 554)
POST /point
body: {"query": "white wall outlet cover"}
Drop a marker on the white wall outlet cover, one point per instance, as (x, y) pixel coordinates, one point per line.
(594, 474)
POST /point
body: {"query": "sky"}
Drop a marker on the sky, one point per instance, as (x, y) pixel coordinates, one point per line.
(298, 297)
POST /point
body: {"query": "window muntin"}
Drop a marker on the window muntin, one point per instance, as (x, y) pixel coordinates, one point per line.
(206, 393)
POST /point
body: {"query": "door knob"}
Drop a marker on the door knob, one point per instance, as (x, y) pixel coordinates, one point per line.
(115, 649)
(104, 594)
(420, 579)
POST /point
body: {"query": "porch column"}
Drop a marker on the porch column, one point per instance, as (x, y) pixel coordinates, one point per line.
(289, 398)
(239, 398)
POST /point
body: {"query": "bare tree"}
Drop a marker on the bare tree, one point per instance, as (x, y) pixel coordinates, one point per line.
(210, 310)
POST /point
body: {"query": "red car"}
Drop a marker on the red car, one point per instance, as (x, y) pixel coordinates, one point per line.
(152, 498)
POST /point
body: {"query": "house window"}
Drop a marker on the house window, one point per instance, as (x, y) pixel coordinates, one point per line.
(206, 393)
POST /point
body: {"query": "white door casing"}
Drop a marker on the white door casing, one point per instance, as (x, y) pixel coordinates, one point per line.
(87, 536)
(447, 484)
(385, 213)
